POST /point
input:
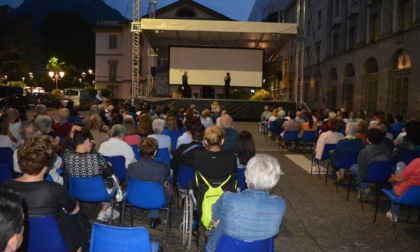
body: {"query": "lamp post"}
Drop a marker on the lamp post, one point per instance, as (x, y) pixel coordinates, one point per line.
(55, 76)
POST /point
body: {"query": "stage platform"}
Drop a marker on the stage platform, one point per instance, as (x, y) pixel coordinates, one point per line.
(243, 110)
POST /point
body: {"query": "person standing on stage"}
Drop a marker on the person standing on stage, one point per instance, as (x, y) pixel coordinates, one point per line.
(227, 85)
(186, 90)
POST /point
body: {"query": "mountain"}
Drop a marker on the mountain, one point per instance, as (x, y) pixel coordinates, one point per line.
(93, 10)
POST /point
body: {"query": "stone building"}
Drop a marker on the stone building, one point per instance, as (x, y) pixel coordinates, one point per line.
(359, 54)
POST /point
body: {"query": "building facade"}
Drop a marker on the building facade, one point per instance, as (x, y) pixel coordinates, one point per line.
(362, 55)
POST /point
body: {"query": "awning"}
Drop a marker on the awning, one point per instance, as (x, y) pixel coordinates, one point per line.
(272, 37)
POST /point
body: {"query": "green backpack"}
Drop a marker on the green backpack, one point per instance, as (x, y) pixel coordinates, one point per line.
(210, 197)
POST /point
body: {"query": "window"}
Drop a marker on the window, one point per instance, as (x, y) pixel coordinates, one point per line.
(112, 70)
(186, 13)
(352, 38)
(375, 27)
(406, 15)
(308, 28)
(112, 41)
(319, 19)
(335, 45)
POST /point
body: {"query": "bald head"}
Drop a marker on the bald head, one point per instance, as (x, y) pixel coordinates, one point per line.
(226, 121)
(64, 114)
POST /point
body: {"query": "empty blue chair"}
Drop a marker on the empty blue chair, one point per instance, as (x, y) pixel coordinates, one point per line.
(43, 234)
(76, 119)
(146, 195)
(6, 156)
(163, 156)
(410, 198)
(135, 148)
(106, 238)
(91, 190)
(308, 136)
(118, 165)
(6, 173)
(228, 244)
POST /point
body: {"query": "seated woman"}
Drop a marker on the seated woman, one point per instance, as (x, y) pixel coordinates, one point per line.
(349, 144)
(310, 125)
(148, 169)
(131, 137)
(252, 214)
(245, 150)
(410, 142)
(144, 129)
(47, 198)
(82, 162)
(98, 130)
(172, 131)
(158, 128)
(332, 136)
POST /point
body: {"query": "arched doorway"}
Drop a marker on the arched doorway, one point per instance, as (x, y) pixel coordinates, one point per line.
(400, 81)
(348, 87)
(370, 85)
(332, 89)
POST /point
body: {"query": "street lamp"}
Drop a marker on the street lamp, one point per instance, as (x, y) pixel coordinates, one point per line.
(56, 76)
(23, 79)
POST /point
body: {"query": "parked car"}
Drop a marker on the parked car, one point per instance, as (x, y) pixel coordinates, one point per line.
(42, 98)
(12, 97)
(78, 96)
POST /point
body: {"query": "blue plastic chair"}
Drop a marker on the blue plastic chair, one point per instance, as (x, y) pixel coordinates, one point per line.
(42, 234)
(6, 173)
(378, 173)
(185, 176)
(118, 165)
(174, 137)
(106, 238)
(347, 160)
(228, 244)
(409, 155)
(146, 195)
(410, 198)
(308, 136)
(76, 119)
(240, 176)
(291, 136)
(163, 156)
(6, 156)
(326, 155)
(91, 190)
(135, 148)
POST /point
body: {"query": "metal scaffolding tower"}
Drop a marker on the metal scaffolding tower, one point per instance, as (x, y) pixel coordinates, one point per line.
(136, 89)
(300, 49)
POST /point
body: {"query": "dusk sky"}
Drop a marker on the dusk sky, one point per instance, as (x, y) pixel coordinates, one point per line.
(240, 12)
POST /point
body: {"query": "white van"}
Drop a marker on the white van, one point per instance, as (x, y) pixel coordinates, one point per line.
(78, 96)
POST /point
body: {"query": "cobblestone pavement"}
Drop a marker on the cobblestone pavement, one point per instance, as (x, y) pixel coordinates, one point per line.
(317, 217)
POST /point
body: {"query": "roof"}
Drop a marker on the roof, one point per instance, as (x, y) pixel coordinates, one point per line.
(272, 37)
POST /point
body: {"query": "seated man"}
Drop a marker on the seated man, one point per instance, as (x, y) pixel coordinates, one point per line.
(147, 169)
(252, 214)
(11, 220)
(402, 181)
(63, 127)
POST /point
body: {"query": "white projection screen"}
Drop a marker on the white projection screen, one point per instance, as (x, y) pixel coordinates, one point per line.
(208, 66)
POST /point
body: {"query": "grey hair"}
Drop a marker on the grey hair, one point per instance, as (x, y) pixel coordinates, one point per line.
(118, 130)
(226, 121)
(40, 108)
(262, 172)
(158, 126)
(282, 113)
(380, 126)
(44, 123)
(351, 128)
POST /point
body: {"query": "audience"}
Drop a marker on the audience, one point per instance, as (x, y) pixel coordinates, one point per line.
(148, 169)
(116, 146)
(131, 137)
(98, 131)
(206, 121)
(47, 198)
(11, 220)
(62, 128)
(231, 135)
(14, 124)
(186, 138)
(252, 214)
(5, 135)
(163, 141)
(145, 128)
(172, 130)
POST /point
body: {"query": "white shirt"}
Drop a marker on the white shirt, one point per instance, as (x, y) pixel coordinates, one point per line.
(163, 141)
(117, 147)
(184, 139)
(207, 122)
(328, 137)
(15, 129)
(6, 142)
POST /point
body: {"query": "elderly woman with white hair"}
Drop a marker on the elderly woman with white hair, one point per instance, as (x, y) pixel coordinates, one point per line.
(116, 146)
(349, 144)
(252, 214)
(164, 141)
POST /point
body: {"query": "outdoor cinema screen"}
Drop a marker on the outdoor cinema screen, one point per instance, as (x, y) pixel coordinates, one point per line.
(208, 66)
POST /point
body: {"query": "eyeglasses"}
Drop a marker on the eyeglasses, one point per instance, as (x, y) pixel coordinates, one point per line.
(92, 141)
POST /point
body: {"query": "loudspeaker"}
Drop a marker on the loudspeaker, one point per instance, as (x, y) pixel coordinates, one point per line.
(153, 71)
(279, 75)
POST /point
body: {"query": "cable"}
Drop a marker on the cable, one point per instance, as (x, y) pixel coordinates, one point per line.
(301, 221)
